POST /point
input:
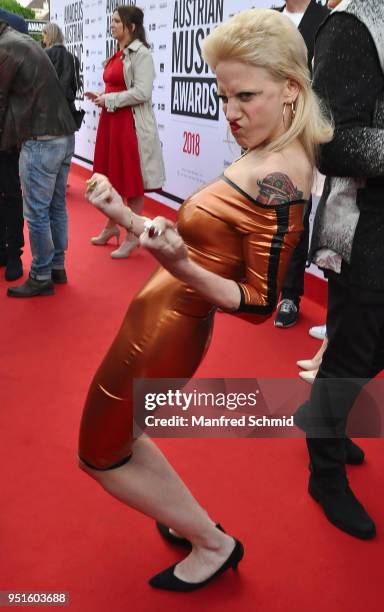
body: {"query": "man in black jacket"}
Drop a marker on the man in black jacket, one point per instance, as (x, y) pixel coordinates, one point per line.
(11, 201)
(348, 242)
(35, 115)
(307, 15)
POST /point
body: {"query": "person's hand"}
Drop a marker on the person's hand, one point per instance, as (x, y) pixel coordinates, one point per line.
(164, 242)
(91, 95)
(103, 196)
(100, 100)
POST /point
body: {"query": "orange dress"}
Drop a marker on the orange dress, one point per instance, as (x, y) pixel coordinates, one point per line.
(168, 326)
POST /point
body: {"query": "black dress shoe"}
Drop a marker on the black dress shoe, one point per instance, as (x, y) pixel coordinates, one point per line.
(167, 535)
(14, 269)
(354, 454)
(32, 288)
(303, 419)
(344, 510)
(168, 581)
(59, 277)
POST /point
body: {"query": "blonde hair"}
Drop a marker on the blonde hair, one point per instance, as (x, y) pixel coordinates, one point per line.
(268, 39)
(54, 34)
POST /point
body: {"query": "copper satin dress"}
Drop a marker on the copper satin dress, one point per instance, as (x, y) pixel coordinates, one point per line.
(168, 325)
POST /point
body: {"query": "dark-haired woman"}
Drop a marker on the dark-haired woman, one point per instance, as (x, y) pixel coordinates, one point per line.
(128, 148)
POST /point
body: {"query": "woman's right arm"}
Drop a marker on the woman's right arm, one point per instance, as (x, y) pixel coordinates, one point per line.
(103, 196)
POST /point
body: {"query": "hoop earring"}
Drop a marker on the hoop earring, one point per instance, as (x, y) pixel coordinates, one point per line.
(284, 108)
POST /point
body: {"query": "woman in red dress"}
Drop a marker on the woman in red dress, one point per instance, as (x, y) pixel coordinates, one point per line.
(128, 149)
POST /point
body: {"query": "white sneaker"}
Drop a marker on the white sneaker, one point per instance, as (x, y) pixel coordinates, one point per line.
(319, 332)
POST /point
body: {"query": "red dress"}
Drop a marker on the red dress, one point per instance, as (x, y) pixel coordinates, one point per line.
(116, 150)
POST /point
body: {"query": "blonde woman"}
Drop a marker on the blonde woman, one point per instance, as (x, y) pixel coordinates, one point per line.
(67, 65)
(230, 250)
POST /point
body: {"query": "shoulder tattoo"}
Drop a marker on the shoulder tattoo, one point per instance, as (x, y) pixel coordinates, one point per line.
(277, 188)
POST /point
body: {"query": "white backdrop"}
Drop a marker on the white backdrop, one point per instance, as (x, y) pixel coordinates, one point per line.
(196, 143)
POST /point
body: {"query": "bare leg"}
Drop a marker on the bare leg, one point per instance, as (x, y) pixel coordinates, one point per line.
(130, 241)
(136, 204)
(110, 223)
(149, 484)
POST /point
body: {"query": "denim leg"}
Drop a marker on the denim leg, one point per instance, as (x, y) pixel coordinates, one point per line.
(40, 164)
(58, 210)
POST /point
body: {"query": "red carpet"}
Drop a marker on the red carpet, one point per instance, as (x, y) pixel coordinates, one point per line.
(60, 532)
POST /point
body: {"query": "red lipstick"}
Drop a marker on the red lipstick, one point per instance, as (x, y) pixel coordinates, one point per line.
(234, 126)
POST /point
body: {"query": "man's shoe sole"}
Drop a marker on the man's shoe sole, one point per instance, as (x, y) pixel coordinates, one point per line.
(282, 325)
(60, 282)
(352, 532)
(43, 293)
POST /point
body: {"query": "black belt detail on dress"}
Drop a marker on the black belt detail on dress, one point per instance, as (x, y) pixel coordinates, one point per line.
(114, 466)
(282, 215)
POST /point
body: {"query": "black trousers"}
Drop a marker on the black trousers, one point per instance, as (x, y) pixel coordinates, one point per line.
(293, 286)
(11, 204)
(354, 355)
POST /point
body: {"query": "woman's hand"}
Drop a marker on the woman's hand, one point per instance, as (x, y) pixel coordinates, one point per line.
(103, 196)
(164, 242)
(162, 239)
(100, 100)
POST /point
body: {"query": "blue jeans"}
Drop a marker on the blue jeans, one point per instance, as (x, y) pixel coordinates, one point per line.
(44, 167)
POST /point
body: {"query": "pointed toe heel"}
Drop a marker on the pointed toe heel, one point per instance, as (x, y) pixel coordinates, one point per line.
(105, 235)
(129, 243)
(308, 364)
(167, 580)
(308, 375)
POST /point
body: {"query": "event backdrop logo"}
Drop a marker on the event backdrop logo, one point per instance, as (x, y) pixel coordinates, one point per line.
(74, 36)
(111, 6)
(192, 94)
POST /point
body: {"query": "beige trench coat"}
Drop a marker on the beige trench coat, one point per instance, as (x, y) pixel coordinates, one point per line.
(139, 74)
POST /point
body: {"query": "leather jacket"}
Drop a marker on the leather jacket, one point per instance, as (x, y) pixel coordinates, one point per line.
(65, 63)
(32, 102)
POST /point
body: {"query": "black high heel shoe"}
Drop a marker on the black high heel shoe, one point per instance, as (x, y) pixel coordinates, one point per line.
(167, 535)
(168, 581)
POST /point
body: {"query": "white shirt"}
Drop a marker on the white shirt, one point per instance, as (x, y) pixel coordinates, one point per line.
(295, 17)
